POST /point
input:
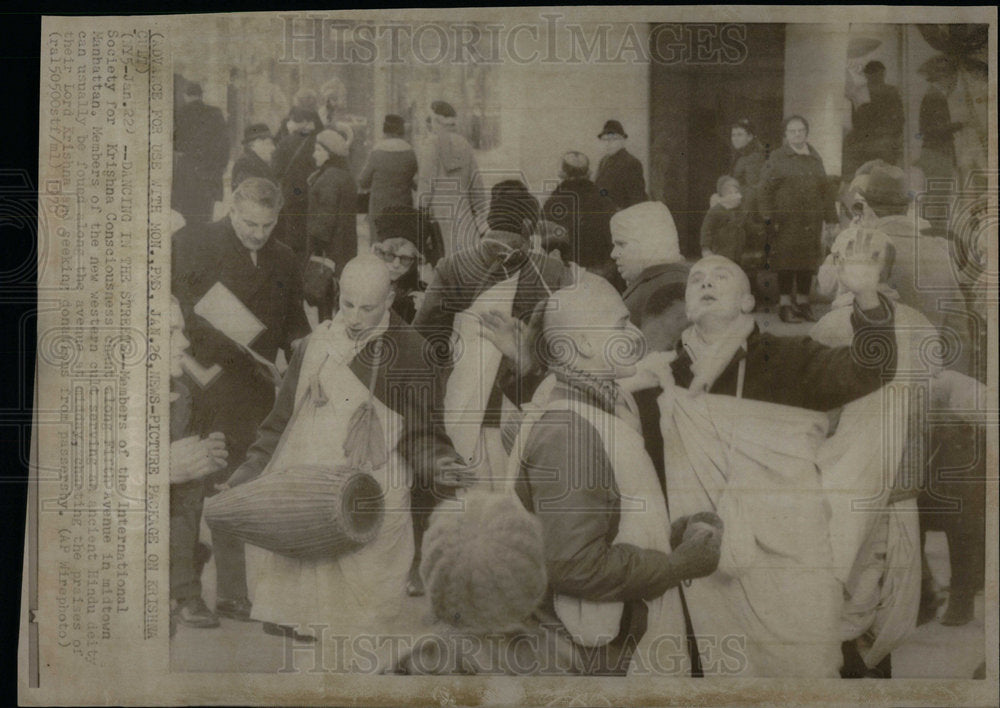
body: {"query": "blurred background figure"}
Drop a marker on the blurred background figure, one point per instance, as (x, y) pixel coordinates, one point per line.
(258, 149)
(389, 174)
(201, 153)
(619, 173)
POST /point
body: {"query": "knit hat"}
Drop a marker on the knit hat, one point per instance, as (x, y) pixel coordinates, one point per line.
(649, 221)
(333, 142)
(483, 563)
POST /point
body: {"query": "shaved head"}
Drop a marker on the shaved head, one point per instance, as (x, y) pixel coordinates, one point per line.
(717, 290)
(586, 327)
(365, 294)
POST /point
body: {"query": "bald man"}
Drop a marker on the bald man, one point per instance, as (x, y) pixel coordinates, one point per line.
(580, 466)
(364, 354)
(743, 442)
(577, 205)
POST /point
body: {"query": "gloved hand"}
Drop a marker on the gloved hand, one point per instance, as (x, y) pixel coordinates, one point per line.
(698, 553)
(680, 526)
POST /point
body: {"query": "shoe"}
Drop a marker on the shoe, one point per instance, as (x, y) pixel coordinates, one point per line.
(280, 630)
(804, 310)
(238, 610)
(788, 315)
(194, 613)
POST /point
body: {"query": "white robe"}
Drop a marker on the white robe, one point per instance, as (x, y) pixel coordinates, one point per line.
(361, 591)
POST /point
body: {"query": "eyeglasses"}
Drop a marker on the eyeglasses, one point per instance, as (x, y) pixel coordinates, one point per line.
(389, 257)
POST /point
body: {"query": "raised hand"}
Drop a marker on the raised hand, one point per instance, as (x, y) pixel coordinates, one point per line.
(859, 265)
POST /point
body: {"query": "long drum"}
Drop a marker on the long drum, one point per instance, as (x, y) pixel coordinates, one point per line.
(303, 512)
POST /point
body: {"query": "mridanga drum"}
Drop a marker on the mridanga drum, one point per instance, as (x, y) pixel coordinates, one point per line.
(304, 512)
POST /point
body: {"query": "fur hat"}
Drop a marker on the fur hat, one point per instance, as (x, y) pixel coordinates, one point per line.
(649, 221)
(484, 563)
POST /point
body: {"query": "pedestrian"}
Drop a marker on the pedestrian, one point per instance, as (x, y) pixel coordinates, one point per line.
(795, 201)
(201, 153)
(258, 149)
(723, 231)
(331, 222)
(577, 205)
(389, 174)
(450, 184)
(619, 173)
(223, 272)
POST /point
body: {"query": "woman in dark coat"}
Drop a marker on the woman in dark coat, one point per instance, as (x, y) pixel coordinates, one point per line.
(795, 200)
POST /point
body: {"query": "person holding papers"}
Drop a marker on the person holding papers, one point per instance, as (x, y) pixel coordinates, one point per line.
(241, 296)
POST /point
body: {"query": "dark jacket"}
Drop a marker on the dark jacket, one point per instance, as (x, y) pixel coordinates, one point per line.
(418, 400)
(620, 177)
(801, 372)
(250, 164)
(567, 480)
(640, 294)
(331, 222)
(402, 303)
(579, 207)
(724, 232)
(462, 277)
(201, 146)
(293, 164)
(388, 175)
(748, 163)
(796, 198)
(206, 254)
(937, 130)
(645, 299)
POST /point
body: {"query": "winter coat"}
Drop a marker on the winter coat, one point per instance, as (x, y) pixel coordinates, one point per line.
(724, 232)
(620, 177)
(331, 222)
(796, 198)
(389, 175)
(250, 164)
(578, 206)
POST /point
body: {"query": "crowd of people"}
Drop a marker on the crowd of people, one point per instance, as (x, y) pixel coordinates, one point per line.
(592, 458)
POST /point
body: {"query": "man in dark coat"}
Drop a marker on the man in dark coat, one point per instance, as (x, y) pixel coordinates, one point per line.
(877, 126)
(578, 206)
(619, 174)
(795, 200)
(258, 149)
(201, 152)
(235, 263)
(293, 164)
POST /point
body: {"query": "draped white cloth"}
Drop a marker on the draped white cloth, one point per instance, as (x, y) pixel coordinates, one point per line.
(877, 545)
(773, 594)
(360, 591)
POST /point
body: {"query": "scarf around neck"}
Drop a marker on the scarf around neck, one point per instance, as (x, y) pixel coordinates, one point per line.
(710, 359)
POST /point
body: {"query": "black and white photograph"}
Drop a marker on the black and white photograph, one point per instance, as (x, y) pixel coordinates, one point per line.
(553, 342)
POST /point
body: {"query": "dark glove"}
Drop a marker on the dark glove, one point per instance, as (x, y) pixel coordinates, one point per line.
(697, 555)
(679, 527)
(677, 530)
